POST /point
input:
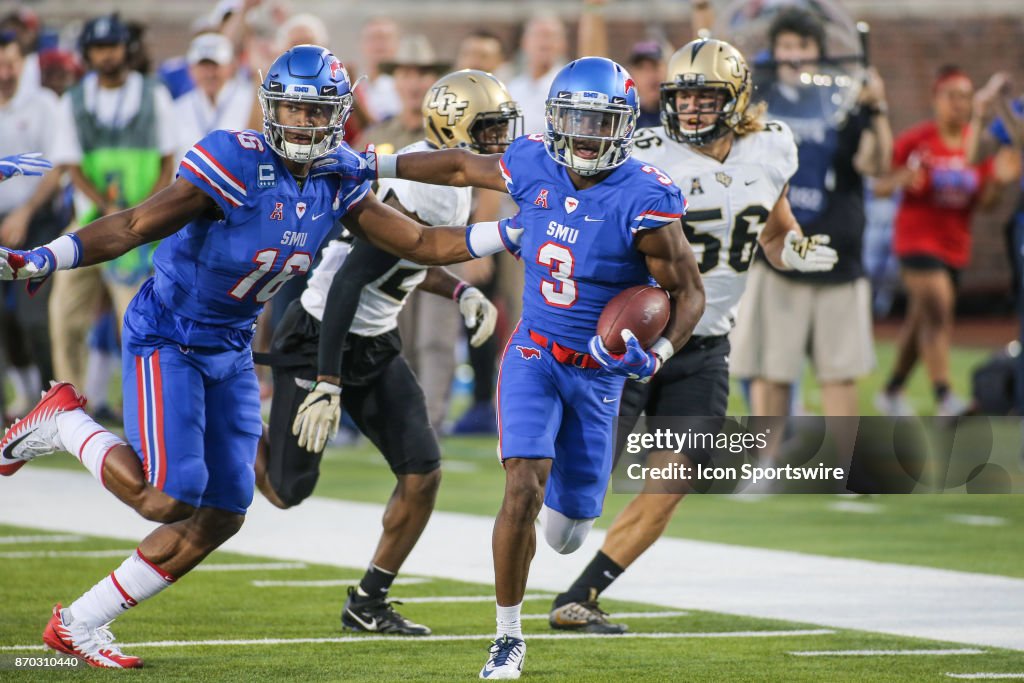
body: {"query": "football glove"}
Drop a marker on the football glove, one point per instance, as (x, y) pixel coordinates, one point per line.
(479, 313)
(23, 164)
(347, 163)
(636, 363)
(808, 254)
(319, 417)
(26, 265)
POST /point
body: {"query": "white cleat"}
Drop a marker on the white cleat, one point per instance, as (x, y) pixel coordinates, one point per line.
(951, 406)
(36, 434)
(507, 655)
(94, 646)
(893, 404)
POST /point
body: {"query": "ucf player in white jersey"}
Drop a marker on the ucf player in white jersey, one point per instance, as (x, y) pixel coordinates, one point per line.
(733, 169)
(342, 333)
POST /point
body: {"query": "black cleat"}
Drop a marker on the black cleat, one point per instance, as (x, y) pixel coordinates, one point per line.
(584, 616)
(377, 615)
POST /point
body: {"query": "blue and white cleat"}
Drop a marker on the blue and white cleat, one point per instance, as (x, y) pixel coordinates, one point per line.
(506, 660)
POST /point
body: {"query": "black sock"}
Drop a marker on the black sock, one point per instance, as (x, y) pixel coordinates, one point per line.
(895, 384)
(376, 582)
(598, 575)
(941, 390)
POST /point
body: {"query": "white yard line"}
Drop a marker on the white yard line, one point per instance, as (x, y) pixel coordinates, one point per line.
(886, 653)
(987, 676)
(483, 637)
(855, 506)
(49, 538)
(961, 607)
(252, 567)
(472, 598)
(978, 520)
(623, 615)
(29, 554)
(330, 583)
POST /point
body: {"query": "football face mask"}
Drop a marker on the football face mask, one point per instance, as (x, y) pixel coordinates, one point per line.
(590, 137)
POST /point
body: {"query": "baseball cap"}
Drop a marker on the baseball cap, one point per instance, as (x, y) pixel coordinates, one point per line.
(646, 49)
(211, 47)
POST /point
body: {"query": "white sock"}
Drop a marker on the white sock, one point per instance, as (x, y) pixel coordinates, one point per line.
(509, 623)
(134, 581)
(85, 439)
(98, 372)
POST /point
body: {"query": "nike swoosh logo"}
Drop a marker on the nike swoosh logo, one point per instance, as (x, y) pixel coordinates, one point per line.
(609, 400)
(588, 219)
(750, 182)
(608, 575)
(10, 448)
(368, 625)
(318, 215)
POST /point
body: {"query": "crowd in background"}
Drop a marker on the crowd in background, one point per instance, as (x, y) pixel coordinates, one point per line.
(116, 125)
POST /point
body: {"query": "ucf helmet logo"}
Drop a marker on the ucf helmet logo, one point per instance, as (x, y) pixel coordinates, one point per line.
(447, 104)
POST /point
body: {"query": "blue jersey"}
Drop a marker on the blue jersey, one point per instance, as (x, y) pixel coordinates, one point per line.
(221, 270)
(578, 245)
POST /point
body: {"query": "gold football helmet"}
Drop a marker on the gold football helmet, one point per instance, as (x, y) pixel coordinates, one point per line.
(473, 110)
(705, 65)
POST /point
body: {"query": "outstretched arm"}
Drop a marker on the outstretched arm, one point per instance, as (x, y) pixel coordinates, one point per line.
(105, 239)
(455, 167)
(392, 231)
(158, 217)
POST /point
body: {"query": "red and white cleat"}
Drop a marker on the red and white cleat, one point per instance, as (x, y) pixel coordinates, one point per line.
(36, 433)
(94, 646)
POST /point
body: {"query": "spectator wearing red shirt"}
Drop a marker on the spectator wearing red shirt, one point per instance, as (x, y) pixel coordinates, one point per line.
(932, 237)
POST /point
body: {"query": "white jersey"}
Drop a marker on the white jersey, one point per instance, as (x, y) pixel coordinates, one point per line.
(727, 207)
(381, 301)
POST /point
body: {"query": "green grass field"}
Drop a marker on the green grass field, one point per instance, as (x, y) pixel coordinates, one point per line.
(228, 606)
(966, 533)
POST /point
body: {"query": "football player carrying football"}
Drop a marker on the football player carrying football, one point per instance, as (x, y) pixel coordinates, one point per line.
(736, 168)
(594, 222)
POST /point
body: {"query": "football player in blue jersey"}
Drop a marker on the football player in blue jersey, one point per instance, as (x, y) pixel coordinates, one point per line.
(594, 222)
(246, 213)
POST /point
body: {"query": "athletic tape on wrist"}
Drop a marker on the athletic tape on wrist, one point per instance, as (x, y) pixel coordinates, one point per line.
(663, 349)
(387, 165)
(67, 252)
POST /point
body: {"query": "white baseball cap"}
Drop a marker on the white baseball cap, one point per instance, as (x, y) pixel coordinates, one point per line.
(211, 47)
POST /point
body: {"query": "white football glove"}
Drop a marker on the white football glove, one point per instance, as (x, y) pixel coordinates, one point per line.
(808, 254)
(319, 417)
(479, 313)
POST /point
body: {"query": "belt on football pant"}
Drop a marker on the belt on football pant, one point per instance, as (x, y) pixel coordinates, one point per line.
(565, 355)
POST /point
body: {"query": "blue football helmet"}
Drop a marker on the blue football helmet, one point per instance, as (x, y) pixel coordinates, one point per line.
(306, 75)
(590, 116)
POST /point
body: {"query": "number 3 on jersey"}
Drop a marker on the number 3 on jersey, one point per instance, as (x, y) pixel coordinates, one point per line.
(562, 291)
(296, 264)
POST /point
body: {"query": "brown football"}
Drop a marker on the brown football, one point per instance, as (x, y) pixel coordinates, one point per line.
(644, 310)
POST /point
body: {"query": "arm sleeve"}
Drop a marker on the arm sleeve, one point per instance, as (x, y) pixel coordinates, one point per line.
(787, 160)
(365, 263)
(661, 209)
(215, 166)
(513, 164)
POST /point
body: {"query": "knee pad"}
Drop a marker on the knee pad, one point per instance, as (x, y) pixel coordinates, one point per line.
(563, 534)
